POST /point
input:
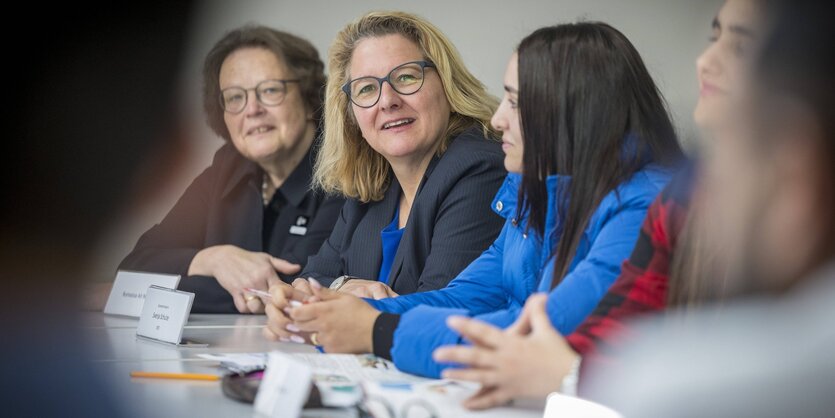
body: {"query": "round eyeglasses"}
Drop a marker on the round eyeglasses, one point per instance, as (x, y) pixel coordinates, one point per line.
(267, 92)
(405, 79)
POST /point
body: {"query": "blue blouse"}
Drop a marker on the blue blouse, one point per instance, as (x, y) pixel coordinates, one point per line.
(391, 236)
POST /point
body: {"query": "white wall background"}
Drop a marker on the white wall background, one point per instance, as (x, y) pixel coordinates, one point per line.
(669, 34)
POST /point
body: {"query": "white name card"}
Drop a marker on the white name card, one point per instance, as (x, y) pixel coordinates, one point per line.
(284, 388)
(128, 293)
(164, 314)
(559, 405)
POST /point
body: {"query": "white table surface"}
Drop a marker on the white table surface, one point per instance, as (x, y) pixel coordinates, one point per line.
(115, 338)
(119, 352)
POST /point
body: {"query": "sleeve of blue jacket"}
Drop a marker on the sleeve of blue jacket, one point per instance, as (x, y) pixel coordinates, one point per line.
(477, 289)
(584, 286)
(423, 329)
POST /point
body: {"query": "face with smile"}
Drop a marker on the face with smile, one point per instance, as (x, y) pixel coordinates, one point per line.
(506, 118)
(404, 129)
(722, 66)
(263, 133)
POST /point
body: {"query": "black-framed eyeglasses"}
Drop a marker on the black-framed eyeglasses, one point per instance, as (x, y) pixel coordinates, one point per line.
(267, 92)
(405, 79)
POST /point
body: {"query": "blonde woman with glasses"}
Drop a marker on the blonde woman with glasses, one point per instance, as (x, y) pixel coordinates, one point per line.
(408, 142)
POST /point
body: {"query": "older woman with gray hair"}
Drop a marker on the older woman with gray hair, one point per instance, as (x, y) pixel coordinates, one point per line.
(251, 218)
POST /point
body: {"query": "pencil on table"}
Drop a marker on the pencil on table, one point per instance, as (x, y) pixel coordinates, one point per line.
(185, 376)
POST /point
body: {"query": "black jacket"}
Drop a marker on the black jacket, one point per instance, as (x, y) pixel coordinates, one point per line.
(450, 223)
(223, 206)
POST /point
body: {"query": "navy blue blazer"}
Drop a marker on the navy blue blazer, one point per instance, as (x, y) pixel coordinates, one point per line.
(450, 223)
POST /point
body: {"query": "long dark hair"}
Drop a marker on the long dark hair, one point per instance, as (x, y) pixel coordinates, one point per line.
(591, 111)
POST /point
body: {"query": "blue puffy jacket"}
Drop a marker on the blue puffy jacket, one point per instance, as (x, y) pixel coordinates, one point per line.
(494, 287)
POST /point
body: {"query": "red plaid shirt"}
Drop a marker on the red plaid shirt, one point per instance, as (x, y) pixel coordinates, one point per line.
(642, 284)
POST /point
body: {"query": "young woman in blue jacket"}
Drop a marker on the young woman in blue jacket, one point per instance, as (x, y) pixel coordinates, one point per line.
(588, 144)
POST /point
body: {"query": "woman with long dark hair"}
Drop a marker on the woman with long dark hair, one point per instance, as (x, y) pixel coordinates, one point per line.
(673, 264)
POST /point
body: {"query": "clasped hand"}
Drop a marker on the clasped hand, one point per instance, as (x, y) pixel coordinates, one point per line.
(308, 313)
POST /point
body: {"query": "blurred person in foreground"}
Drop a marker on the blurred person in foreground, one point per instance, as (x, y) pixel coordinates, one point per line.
(772, 189)
(93, 122)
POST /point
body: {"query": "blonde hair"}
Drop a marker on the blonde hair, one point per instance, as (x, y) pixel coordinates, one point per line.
(346, 164)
